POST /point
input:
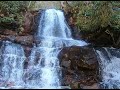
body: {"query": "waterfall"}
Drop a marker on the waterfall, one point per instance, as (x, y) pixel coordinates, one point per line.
(12, 58)
(43, 70)
(53, 34)
(110, 67)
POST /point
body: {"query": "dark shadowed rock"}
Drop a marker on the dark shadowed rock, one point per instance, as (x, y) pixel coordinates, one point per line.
(8, 32)
(79, 66)
(12, 26)
(82, 57)
(27, 51)
(27, 24)
(94, 86)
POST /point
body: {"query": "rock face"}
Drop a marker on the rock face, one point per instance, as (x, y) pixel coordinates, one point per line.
(8, 32)
(24, 40)
(28, 23)
(79, 66)
(26, 33)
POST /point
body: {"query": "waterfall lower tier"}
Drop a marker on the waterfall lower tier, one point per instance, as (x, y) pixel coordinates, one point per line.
(110, 67)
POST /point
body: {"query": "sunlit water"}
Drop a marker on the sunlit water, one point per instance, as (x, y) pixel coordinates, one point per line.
(43, 71)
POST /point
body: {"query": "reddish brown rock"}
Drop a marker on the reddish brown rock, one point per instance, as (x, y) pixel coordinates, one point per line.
(79, 66)
(94, 86)
(27, 24)
(8, 32)
(80, 57)
(3, 37)
(25, 40)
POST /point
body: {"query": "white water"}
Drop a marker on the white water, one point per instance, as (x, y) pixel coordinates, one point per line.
(53, 34)
(110, 66)
(43, 71)
(12, 61)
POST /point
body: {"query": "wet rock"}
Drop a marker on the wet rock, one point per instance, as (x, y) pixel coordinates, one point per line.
(27, 50)
(80, 57)
(37, 57)
(94, 86)
(79, 66)
(25, 40)
(66, 63)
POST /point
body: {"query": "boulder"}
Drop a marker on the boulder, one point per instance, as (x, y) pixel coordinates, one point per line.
(94, 86)
(79, 66)
(24, 40)
(81, 57)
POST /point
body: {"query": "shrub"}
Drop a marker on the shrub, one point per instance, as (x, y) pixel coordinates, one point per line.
(10, 11)
(90, 15)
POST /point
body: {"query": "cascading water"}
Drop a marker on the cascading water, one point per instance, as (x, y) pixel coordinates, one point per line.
(110, 67)
(43, 71)
(53, 34)
(12, 62)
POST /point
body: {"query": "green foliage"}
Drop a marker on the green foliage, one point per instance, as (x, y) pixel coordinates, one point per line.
(93, 14)
(11, 11)
(115, 19)
(12, 7)
(6, 19)
(31, 5)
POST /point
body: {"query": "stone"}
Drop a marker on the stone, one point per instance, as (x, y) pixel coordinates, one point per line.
(66, 63)
(25, 40)
(8, 32)
(27, 24)
(79, 66)
(27, 50)
(82, 57)
(65, 87)
(75, 85)
(94, 86)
